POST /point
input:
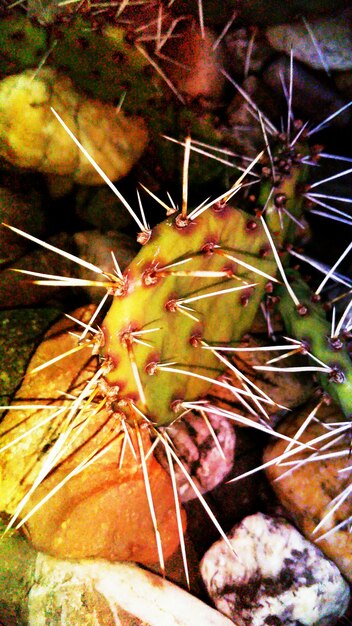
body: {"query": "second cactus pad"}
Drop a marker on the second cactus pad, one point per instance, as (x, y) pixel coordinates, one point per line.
(194, 285)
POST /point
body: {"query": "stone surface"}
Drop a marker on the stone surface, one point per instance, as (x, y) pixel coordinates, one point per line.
(95, 247)
(332, 48)
(309, 489)
(38, 590)
(78, 456)
(101, 594)
(247, 51)
(197, 448)
(275, 577)
(312, 96)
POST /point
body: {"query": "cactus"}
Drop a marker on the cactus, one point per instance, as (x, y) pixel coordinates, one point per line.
(107, 62)
(23, 44)
(169, 292)
(161, 342)
(308, 324)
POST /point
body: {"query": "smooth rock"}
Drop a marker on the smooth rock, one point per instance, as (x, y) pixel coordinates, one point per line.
(312, 97)
(85, 509)
(309, 490)
(96, 593)
(247, 51)
(274, 577)
(332, 48)
(206, 450)
(38, 590)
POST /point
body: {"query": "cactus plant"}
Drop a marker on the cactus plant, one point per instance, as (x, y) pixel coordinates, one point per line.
(161, 344)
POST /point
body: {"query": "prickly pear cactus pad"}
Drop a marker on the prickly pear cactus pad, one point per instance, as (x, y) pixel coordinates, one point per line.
(23, 44)
(193, 286)
(308, 323)
(30, 137)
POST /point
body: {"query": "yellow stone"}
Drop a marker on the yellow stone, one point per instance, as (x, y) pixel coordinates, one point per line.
(309, 490)
(102, 511)
(31, 136)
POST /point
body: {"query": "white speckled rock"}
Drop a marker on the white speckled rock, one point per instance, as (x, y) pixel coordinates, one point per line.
(333, 36)
(97, 593)
(200, 454)
(277, 579)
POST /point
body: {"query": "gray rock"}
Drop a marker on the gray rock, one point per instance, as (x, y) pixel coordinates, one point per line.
(206, 459)
(321, 43)
(312, 98)
(274, 577)
(246, 51)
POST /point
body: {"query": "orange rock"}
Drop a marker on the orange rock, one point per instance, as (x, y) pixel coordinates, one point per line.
(309, 490)
(94, 507)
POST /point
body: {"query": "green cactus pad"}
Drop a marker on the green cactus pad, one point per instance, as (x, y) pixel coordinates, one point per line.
(22, 44)
(105, 64)
(150, 300)
(308, 324)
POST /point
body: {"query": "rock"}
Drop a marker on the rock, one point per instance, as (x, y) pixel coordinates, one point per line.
(332, 49)
(38, 590)
(101, 594)
(24, 213)
(31, 137)
(312, 97)
(199, 453)
(274, 577)
(286, 391)
(88, 477)
(309, 490)
(96, 248)
(230, 501)
(244, 130)
(247, 51)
